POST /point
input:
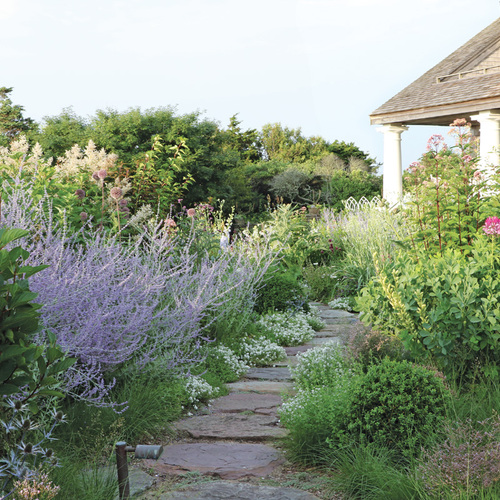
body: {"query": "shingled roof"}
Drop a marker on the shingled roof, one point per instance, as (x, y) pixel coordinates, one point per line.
(466, 82)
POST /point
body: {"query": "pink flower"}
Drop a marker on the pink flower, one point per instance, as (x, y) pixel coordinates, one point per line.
(459, 122)
(191, 212)
(467, 158)
(116, 193)
(170, 223)
(84, 216)
(492, 226)
(102, 174)
(80, 193)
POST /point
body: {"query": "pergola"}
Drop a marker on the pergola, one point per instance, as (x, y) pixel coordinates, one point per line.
(464, 85)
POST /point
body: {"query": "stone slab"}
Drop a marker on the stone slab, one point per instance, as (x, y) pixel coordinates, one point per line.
(226, 490)
(263, 386)
(236, 402)
(225, 460)
(340, 321)
(277, 373)
(289, 361)
(292, 351)
(316, 341)
(232, 426)
(139, 482)
(326, 312)
(335, 330)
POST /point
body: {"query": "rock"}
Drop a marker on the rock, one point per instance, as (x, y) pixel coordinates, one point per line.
(336, 313)
(225, 490)
(278, 373)
(225, 460)
(236, 402)
(232, 426)
(264, 386)
(292, 351)
(317, 341)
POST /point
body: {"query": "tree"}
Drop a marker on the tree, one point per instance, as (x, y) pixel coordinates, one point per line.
(12, 121)
(246, 143)
(285, 144)
(60, 133)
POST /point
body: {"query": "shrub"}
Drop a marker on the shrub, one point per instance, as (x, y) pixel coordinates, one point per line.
(367, 346)
(443, 307)
(280, 292)
(321, 285)
(321, 366)
(398, 405)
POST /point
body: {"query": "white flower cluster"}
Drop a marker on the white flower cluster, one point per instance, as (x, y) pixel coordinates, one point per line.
(289, 330)
(324, 365)
(314, 319)
(229, 358)
(340, 303)
(261, 352)
(78, 160)
(294, 406)
(198, 389)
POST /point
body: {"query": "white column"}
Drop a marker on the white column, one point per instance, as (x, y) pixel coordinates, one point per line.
(489, 138)
(393, 171)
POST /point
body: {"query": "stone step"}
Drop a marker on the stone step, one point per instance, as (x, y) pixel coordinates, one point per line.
(326, 312)
(262, 386)
(218, 490)
(277, 374)
(232, 426)
(237, 402)
(316, 341)
(224, 460)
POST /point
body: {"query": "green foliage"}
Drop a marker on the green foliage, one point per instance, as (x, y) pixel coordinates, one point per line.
(60, 133)
(289, 145)
(321, 286)
(159, 187)
(280, 292)
(343, 185)
(345, 151)
(397, 405)
(445, 307)
(12, 121)
(313, 417)
(370, 473)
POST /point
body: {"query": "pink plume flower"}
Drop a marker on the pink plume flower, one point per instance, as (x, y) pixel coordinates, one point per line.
(191, 212)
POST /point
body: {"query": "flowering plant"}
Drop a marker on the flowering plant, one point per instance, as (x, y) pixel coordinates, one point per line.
(449, 192)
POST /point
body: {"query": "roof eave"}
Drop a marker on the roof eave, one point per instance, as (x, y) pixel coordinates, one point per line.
(436, 115)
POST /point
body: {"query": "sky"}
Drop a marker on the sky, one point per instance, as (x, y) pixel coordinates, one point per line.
(321, 65)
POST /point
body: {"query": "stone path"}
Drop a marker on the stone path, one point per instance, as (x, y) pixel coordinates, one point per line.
(238, 440)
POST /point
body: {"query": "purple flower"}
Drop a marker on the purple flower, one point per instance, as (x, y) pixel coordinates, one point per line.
(80, 193)
(116, 193)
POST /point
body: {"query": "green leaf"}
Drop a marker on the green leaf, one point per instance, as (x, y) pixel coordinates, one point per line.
(8, 389)
(61, 366)
(8, 235)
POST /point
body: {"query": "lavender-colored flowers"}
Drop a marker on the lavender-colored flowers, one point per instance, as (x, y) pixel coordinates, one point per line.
(110, 303)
